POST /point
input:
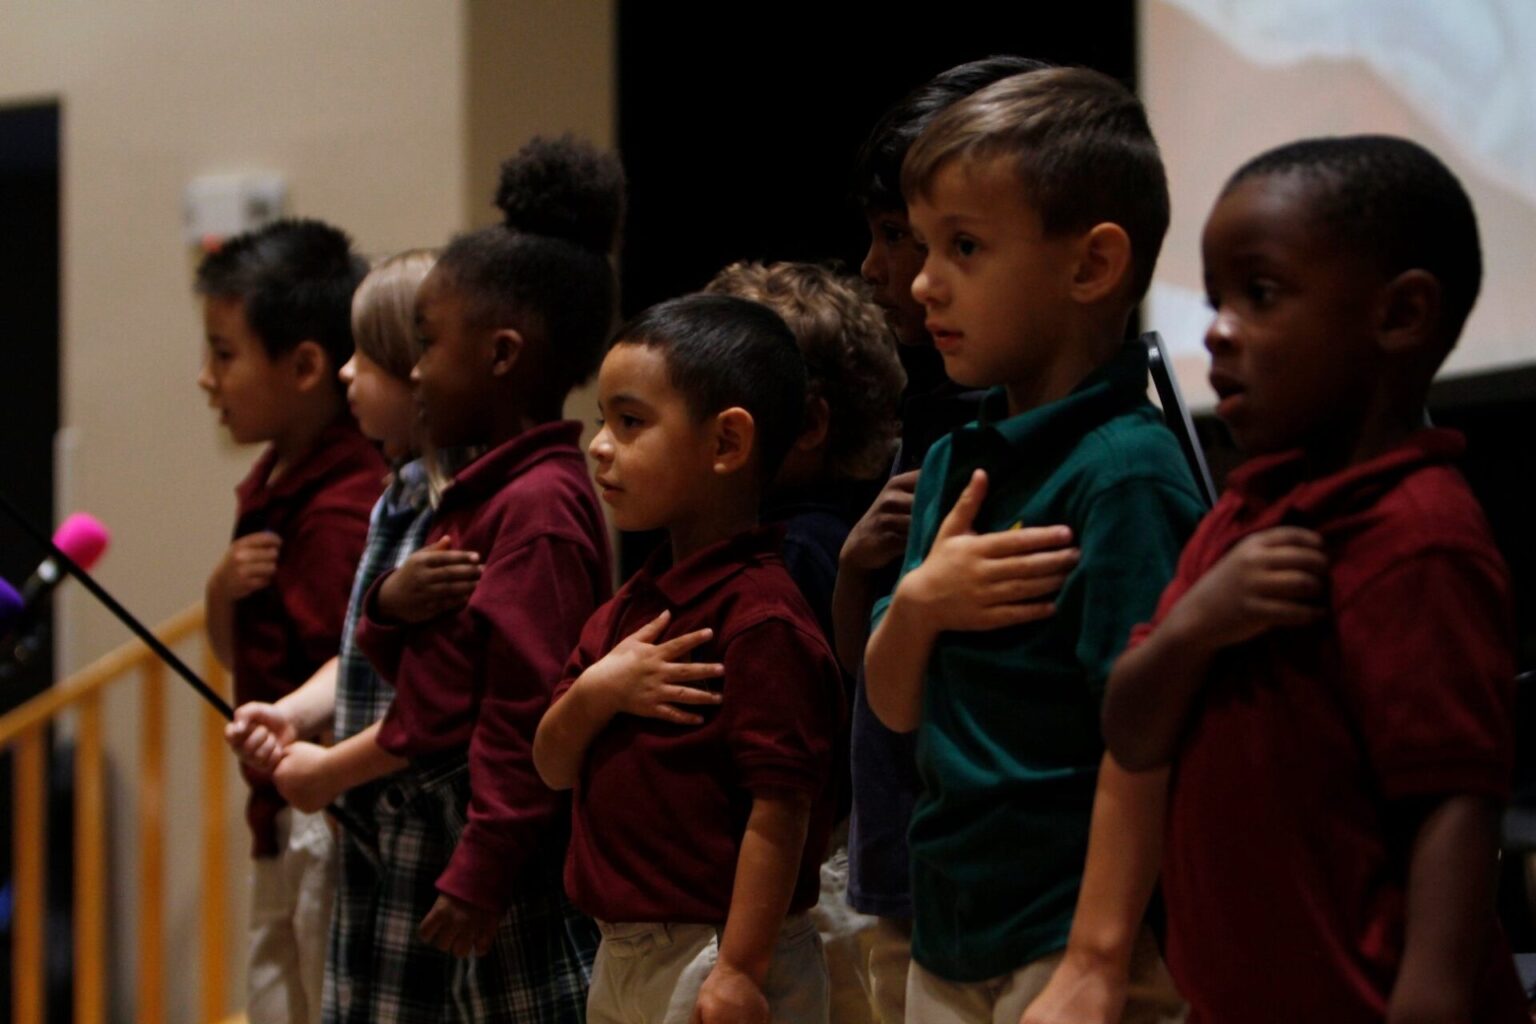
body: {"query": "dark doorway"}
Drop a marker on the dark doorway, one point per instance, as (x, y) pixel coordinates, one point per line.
(29, 418)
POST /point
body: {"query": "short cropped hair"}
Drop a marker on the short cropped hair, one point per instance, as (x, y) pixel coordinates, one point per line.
(296, 278)
(1081, 145)
(849, 350)
(546, 269)
(1392, 201)
(384, 309)
(877, 171)
(721, 352)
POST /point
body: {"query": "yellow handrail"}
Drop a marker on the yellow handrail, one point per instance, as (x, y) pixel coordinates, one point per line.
(23, 733)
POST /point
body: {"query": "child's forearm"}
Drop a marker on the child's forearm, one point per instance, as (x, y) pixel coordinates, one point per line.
(766, 871)
(1125, 845)
(896, 661)
(564, 734)
(852, 599)
(1149, 694)
(358, 760)
(312, 707)
(1452, 869)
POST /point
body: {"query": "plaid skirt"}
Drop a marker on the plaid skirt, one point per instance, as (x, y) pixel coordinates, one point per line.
(537, 971)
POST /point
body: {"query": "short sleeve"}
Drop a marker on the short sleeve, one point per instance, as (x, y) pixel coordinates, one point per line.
(926, 516)
(1428, 668)
(782, 696)
(1130, 538)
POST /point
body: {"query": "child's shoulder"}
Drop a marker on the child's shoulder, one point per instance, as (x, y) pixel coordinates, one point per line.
(763, 592)
(1134, 445)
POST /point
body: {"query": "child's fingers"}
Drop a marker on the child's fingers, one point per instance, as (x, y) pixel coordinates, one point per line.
(1286, 613)
(680, 645)
(1292, 584)
(1004, 615)
(1024, 541)
(1044, 563)
(962, 517)
(1290, 536)
(651, 630)
(452, 574)
(669, 713)
(688, 695)
(1304, 559)
(1024, 588)
(688, 671)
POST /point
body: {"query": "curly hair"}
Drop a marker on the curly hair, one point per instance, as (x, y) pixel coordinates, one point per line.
(546, 269)
(849, 350)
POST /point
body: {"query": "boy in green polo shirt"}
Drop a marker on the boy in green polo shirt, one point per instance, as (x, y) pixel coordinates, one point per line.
(1042, 204)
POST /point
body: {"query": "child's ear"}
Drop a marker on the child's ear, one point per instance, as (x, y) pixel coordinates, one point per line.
(1103, 263)
(311, 366)
(818, 422)
(1408, 313)
(506, 346)
(735, 435)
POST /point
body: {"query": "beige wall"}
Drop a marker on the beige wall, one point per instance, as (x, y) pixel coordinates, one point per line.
(386, 118)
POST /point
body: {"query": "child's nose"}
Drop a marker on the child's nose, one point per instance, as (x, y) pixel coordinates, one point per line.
(205, 376)
(601, 448)
(348, 370)
(925, 286)
(872, 270)
(1222, 333)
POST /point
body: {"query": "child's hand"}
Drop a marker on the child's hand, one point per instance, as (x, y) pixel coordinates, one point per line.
(302, 778)
(248, 565)
(644, 679)
(880, 535)
(457, 928)
(730, 996)
(972, 581)
(1271, 579)
(1079, 992)
(439, 578)
(259, 734)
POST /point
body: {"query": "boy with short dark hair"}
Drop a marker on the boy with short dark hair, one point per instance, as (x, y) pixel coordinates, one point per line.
(1042, 203)
(277, 311)
(698, 716)
(1331, 672)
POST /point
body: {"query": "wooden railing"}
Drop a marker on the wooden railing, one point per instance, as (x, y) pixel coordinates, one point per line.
(24, 733)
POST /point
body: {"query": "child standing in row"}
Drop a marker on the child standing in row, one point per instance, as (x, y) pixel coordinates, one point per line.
(853, 385)
(347, 695)
(1331, 673)
(882, 762)
(276, 307)
(702, 808)
(1042, 204)
(471, 842)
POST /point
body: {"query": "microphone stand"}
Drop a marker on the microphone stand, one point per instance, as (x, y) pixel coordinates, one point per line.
(343, 817)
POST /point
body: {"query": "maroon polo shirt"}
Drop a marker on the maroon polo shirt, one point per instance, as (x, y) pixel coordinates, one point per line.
(481, 678)
(660, 809)
(285, 631)
(1294, 787)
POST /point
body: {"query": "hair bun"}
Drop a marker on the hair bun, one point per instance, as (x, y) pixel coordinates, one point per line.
(564, 188)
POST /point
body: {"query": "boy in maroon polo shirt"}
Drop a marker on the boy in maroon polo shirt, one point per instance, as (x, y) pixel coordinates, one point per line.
(277, 311)
(697, 718)
(1330, 673)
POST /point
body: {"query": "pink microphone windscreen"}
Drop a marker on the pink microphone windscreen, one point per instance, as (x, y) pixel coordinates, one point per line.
(10, 604)
(83, 538)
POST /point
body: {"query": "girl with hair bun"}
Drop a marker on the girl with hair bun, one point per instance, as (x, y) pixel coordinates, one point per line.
(474, 922)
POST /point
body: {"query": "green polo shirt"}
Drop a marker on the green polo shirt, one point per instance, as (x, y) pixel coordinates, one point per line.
(1009, 746)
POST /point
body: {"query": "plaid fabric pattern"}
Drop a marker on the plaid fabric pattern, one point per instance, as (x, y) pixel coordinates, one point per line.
(537, 971)
(396, 528)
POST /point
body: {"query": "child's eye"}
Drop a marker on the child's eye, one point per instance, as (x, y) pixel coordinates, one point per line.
(629, 422)
(893, 234)
(965, 246)
(1260, 292)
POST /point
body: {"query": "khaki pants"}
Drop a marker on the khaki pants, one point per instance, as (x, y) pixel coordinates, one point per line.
(290, 922)
(651, 973)
(1003, 1000)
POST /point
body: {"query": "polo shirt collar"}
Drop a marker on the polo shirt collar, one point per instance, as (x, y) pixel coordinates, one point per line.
(706, 569)
(997, 439)
(1281, 479)
(491, 471)
(338, 447)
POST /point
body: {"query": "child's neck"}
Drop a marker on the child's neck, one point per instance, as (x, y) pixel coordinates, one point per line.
(716, 521)
(1058, 374)
(308, 421)
(514, 416)
(1377, 431)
